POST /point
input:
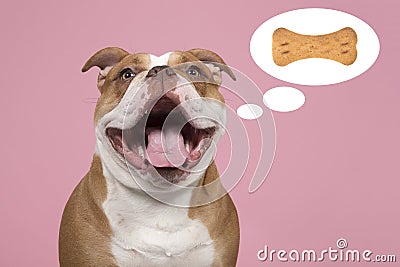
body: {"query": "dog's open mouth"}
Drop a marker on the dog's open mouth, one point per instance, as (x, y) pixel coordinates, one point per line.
(170, 148)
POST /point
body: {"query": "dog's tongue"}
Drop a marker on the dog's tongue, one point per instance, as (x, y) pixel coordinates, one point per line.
(171, 153)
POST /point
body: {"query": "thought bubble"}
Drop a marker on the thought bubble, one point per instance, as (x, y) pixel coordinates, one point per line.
(284, 99)
(315, 71)
(249, 111)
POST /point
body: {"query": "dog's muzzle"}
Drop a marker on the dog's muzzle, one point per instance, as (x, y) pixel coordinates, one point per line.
(170, 137)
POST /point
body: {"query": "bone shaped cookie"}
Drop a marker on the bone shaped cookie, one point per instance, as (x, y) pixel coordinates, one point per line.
(288, 46)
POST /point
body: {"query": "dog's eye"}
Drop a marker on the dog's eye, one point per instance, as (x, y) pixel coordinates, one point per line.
(193, 71)
(127, 74)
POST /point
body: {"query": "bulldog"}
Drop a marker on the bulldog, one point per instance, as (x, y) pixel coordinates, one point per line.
(146, 199)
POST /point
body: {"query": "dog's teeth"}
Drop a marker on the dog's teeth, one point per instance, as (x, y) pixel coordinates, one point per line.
(141, 152)
(187, 147)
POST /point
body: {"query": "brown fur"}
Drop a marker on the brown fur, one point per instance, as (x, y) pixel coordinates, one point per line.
(221, 219)
(84, 232)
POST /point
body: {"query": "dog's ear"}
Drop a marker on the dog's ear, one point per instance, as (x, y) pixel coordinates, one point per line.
(215, 63)
(105, 59)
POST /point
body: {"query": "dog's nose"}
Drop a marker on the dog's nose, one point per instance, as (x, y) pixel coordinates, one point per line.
(153, 71)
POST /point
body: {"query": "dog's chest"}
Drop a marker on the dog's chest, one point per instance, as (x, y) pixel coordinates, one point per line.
(148, 233)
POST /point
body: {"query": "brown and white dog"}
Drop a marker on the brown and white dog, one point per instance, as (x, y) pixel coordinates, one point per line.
(109, 219)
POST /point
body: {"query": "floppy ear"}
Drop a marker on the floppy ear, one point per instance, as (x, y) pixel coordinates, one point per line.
(214, 62)
(105, 59)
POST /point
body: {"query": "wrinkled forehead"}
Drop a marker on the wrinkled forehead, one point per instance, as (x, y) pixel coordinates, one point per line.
(144, 61)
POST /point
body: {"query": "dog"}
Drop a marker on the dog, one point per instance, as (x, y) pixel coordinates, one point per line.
(146, 199)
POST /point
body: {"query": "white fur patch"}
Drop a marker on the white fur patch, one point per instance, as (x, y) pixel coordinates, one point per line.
(159, 61)
(149, 233)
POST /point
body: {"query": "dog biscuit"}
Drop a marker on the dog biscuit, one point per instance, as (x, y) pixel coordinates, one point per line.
(288, 46)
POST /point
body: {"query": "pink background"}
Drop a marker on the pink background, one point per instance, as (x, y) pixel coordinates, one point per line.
(336, 171)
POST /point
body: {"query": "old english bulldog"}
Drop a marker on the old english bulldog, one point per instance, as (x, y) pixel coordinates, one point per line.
(145, 200)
